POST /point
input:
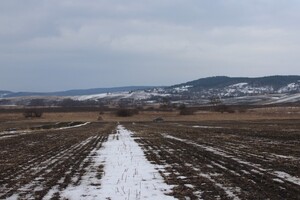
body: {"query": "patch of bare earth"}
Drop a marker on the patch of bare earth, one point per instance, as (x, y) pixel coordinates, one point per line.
(34, 163)
(225, 160)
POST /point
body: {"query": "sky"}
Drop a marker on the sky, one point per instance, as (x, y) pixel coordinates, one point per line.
(52, 45)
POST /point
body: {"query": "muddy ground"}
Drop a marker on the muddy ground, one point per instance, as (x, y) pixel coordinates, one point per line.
(33, 162)
(201, 160)
(226, 160)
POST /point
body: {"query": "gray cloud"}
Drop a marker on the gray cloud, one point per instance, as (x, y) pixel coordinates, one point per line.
(78, 44)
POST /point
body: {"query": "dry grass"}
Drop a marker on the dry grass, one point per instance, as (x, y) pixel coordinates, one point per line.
(256, 114)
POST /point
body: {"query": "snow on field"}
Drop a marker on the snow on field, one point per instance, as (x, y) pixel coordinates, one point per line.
(75, 126)
(230, 191)
(183, 88)
(127, 173)
(285, 157)
(238, 85)
(288, 98)
(287, 177)
(137, 95)
(95, 96)
(9, 134)
(196, 126)
(283, 176)
(37, 169)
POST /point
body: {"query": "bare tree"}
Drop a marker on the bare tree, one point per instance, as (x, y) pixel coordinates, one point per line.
(215, 100)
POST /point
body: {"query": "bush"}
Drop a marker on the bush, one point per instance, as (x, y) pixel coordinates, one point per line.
(151, 108)
(126, 112)
(187, 111)
(101, 112)
(224, 108)
(32, 113)
(242, 110)
(182, 107)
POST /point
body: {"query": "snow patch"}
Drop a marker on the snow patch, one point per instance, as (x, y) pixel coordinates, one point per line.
(182, 88)
(238, 85)
(288, 98)
(257, 169)
(127, 173)
(287, 177)
(136, 95)
(75, 126)
(206, 126)
(292, 87)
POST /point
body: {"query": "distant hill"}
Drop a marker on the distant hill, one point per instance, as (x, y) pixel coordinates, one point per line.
(232, 90)
(238, 86)
(4, 93)
(276, 82)
(81, 92)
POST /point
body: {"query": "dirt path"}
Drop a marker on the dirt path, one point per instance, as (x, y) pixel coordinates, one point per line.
(127, 174)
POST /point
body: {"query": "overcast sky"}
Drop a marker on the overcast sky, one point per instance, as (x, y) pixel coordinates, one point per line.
(49, 45)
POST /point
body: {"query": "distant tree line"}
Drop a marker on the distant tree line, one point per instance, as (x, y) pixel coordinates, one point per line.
(64, 103)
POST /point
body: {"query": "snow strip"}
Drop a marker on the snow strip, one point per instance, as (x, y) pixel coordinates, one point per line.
(285, 157)
(287, 177)
(127, 173)
(207, 127)
(9, 134)
(228, 190)
(75, 126)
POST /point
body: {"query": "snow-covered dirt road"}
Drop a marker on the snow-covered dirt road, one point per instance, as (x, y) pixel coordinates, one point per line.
(127, 174)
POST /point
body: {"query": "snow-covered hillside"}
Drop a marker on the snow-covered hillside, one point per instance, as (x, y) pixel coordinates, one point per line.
(235, 90)
(136, 95)
(3, 94)
(292, 87)
(273, 89)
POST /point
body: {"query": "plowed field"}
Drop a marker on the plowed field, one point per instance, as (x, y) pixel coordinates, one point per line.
(226, 160)
(208, 160)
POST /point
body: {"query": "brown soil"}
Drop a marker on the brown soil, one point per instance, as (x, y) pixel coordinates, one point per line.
(225, 160)
(38, 160)
(207, 155)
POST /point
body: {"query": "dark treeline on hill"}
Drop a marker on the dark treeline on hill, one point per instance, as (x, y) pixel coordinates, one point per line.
(222, 81)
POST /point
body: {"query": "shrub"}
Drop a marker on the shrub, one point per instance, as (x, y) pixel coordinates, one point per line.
(224, 108)
(242, 110)
(126, 112)
(101, 112)
(187, 111)
(182, 107)
(32, 113)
